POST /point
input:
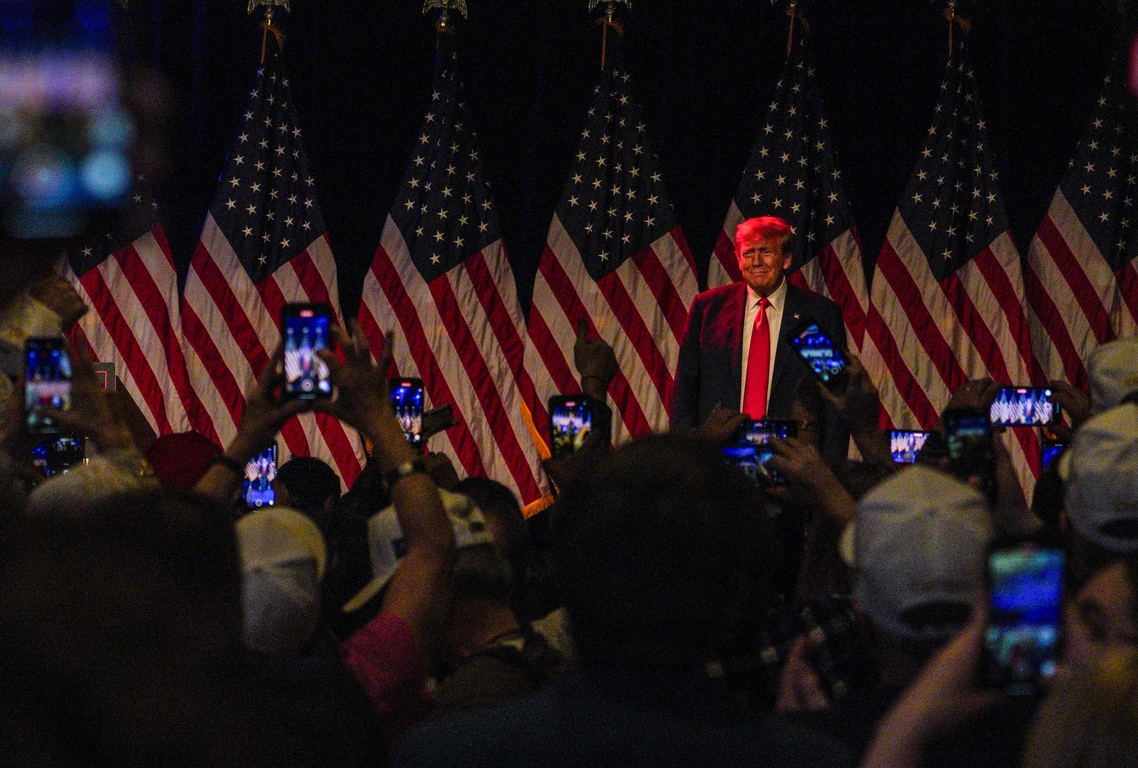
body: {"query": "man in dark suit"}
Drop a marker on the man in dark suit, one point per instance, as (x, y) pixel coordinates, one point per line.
(725, 352)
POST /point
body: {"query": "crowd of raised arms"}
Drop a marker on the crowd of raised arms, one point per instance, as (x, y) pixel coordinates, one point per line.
(666, 610)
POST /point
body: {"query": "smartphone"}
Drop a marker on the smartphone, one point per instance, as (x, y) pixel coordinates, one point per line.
(821, 354)
(47, 381)
(751, 448)
(1024, 407)
(260, 473)
(407, 400)
(306, 329)
(67, 136)
(1051, 450)
(1021, 642)
(572, 418)
(53, 457)
(968, 433)
(905, 444)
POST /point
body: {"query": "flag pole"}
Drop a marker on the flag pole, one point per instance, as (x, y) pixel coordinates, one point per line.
(955, 20)
(792, 12)
(606, 21)
(267, 25)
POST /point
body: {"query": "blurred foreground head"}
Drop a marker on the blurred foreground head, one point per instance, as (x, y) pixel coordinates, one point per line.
(917, 548)
(1101, 491)
(121, 637)
(652, 549)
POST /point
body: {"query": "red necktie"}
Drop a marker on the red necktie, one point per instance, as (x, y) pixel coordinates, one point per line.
(758, 365)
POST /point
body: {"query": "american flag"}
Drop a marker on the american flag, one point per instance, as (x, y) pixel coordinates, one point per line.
(128, 279)
(1081, 274)
(945, 305)
(793, 174)
(442, 279)
(263, 245)
(616, 257)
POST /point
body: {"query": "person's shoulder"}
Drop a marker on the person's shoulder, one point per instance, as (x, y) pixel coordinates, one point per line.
(714, 297)
(719, 293)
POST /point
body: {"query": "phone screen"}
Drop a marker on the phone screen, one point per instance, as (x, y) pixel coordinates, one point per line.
(1024, 407)
(1051, 451)
(260, 473)
(822, 356)
(57, 456)
(766, 431)
(905, 444)
(751, 449)
(1021, 642)
(306, 328)
(407, 400)
(570, 422)
(970, 453)
(47, 381)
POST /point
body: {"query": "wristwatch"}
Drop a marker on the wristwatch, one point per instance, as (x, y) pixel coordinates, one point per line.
(400, 471)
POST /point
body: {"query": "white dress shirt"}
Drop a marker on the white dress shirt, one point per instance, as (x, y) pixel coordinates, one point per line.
(777, 301)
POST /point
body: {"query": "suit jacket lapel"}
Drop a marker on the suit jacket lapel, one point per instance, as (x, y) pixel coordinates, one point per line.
(791, 317)
(735, 309)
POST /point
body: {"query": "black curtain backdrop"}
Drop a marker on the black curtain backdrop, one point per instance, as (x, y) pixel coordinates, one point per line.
(703, 71)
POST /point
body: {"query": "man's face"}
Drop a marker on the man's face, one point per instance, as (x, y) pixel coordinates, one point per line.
(1101, 616)
(763, 264)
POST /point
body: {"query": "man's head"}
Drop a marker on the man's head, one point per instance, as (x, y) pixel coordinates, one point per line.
(1104, 613)
(504, 518)
(283, 558)
(917, 548)
(306, 483)
(651, 550)
(764, 247)
(1112, 371)
(1102, 489)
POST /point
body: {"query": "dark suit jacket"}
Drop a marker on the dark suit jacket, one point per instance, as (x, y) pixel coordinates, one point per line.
(711, 359)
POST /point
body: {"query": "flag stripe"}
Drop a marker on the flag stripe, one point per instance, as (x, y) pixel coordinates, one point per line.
(635, 330)
(564, 293)
(914, 399)
(919, 307)
(663, 290)
(1128, 291)
(1048, 316)
(414, 341)
(487, 289)
(483, 385)
(134, 357)
(1082, 291)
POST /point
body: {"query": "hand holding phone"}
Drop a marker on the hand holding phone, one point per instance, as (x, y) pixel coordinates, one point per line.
(906, 444)
(305, 330)
(1024, 407)
(260, 473)
(822, 356)
(1021, 641)
(572, 418)
(407, 401)
(47, 382)
(752, 447)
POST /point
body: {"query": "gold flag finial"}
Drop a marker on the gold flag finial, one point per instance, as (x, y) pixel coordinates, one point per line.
(610, 3)
(444, 25)
(955, 20)
(608, 20)
(267, 26)
(269, 5)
